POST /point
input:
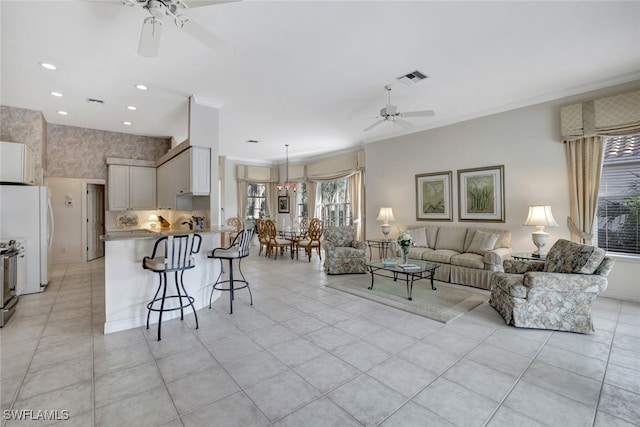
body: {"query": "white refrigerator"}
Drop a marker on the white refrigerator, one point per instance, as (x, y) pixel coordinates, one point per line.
(25, 213)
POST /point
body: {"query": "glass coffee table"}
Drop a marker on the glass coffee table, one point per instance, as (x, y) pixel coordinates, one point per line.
(414, 270)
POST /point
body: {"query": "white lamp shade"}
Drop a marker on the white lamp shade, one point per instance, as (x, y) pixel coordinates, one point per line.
(386, 215)
(540, 216)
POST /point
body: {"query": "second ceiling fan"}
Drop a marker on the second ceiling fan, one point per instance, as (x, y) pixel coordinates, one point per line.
(390, 113)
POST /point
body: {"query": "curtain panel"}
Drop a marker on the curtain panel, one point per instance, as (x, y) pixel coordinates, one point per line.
(585, 157)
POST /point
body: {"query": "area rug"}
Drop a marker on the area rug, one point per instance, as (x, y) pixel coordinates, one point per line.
(444, 304)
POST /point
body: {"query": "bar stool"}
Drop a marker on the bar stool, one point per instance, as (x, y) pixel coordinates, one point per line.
(238, 249)
(177, 257)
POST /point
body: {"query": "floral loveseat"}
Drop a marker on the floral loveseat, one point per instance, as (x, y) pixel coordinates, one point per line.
(553, 294)
(343, 254)
(467, 256)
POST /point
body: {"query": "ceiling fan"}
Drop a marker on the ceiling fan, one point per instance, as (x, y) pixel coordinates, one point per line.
(390, 113)
(159, 9)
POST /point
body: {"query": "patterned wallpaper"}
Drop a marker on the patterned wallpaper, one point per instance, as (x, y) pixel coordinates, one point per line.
(73, 152)
(28, 127)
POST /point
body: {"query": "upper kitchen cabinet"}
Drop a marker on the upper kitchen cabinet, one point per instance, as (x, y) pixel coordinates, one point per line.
(187, 174)
(131, 188)
(194, 169)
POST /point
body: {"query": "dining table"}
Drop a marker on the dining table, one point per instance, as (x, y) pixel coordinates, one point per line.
(294, 235)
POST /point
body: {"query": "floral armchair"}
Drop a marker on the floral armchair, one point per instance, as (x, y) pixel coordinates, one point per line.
(553, 294)
(343, 254)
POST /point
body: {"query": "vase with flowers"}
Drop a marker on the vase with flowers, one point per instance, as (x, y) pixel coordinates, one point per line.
(405, 241)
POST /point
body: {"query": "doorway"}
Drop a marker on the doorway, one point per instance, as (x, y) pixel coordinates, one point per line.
(95, 220)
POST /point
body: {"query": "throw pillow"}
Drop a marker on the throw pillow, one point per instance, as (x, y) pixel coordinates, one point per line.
(566, 256)
(482, 242)
(419, 237)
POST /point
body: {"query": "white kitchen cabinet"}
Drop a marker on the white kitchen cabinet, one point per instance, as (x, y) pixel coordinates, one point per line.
(194, 171)
(167, 185)
(131, 188)
(187, 174)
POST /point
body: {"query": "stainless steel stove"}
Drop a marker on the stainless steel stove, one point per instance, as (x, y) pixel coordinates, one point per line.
(12, 253)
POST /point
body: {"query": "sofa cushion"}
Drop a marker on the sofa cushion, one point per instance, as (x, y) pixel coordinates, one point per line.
(416, 253)
(439, 255)
(419, 237)
(570, 257)
(451, 238)
(468, 260)
(482, 242)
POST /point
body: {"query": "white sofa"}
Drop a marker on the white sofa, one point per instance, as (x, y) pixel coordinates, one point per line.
(466, 257)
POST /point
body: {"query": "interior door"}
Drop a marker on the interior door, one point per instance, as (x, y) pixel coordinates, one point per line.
(95, 221)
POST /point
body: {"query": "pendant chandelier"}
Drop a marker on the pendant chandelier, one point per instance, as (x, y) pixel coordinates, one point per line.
(287, 185)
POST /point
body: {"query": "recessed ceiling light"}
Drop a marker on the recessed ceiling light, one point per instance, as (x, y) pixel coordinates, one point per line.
(126, 123)
(47, 66)
(58, 94)
(141, 87)
(131, 107)
(62, 113)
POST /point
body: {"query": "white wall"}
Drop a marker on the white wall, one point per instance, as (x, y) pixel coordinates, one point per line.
(526, 141)
(67, 238)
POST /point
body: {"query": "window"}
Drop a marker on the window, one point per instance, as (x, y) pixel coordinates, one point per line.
(618, 214)
(335, 205)
(302, 202)
(256, 201)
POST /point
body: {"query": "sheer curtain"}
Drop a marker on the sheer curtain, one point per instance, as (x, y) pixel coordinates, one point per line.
(584, 160)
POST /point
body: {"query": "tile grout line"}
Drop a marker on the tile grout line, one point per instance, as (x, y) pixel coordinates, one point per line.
(15, 396)
(606, 368)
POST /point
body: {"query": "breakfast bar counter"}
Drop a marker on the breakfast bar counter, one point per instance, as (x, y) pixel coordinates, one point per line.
(128, 287)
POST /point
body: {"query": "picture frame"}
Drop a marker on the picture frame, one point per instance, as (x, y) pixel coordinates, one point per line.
(481, 194)
(434, 198)
(283, 204)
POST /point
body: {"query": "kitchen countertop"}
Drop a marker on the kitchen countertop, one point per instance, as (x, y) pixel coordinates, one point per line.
(145, 233)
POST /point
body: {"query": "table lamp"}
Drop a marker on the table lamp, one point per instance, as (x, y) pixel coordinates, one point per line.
(386, 215)
(540, 216)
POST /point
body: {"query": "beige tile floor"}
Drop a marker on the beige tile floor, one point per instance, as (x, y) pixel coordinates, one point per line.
(307, 355)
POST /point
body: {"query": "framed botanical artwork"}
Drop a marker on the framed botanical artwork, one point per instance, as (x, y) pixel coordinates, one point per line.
(283, 204)
(433, 197)
(481, 194)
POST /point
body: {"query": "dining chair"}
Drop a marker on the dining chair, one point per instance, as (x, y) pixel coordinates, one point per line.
(274, 241)
(239, 226)
(263, 239)
(312, 239)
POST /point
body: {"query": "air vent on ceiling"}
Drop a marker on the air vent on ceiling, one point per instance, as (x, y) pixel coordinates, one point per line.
(95, 101)
(412, 78)
(251, 141)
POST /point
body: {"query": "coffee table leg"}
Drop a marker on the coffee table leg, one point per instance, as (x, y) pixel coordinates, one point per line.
(371, 287)
(409, 287)
(433, 273)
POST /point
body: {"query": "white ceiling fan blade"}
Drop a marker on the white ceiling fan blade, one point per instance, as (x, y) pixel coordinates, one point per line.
(375, 124)
(205, 36)
(403, 123)
(150, 37)
(199, 3)
(424, 113)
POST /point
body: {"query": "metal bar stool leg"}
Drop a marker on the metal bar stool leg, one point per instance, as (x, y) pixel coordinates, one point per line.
(164, 294)
(190, 299)
(231, 296)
